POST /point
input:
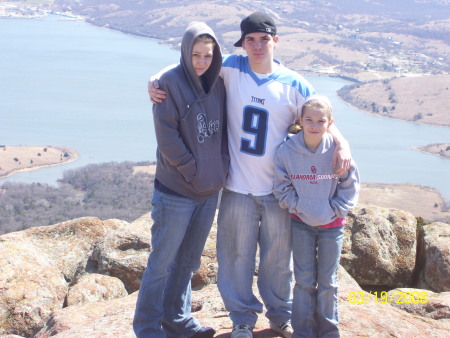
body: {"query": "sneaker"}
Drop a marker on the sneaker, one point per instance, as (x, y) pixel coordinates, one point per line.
(204, 332)
(242, 331)
(284, 329)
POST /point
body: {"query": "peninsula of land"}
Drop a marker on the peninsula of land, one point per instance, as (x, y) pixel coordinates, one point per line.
(437, 149)
(23, 158)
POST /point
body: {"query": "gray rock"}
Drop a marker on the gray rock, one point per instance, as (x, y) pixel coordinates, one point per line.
(88, 261)
(380, 246)
(37, 266)
(424, 303)
(433, 261)
(92, 288)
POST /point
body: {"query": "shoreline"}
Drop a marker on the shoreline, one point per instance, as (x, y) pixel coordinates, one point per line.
(303, 72)
(349, 103)
(17, 159)
(164, 42)
(420, 200)
(435, 150)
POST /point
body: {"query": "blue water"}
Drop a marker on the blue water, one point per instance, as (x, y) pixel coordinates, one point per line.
(65, 82)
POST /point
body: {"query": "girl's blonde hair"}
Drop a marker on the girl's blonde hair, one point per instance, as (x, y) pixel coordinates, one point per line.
(314, 101)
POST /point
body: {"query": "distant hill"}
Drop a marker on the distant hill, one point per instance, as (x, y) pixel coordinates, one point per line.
(366, 41)
(361, 39)
(423, 99)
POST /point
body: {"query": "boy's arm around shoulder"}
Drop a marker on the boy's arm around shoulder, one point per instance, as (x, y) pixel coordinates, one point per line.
(347, 191)
(157, 95)
(166, 119)
(283, 189)
(342, 158)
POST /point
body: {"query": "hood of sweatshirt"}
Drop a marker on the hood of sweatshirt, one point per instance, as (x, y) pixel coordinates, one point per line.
(296, 143)
(193, 31)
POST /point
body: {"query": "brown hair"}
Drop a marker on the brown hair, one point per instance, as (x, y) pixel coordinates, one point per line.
(295, 128)
(206, 38)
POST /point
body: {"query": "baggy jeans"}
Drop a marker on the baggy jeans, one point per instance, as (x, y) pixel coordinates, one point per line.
(179, 232)
(244, 222)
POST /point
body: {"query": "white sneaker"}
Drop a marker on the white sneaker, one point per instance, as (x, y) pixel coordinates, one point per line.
(242, 331)
(284, 329)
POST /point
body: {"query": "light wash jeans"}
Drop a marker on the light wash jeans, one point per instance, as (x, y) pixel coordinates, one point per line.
(317, 252)
(244, 222)
(179, 232)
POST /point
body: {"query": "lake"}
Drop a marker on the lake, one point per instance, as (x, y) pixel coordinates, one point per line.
(65, 82)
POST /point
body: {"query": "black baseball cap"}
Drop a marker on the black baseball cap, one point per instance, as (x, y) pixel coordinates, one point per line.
(256, 22)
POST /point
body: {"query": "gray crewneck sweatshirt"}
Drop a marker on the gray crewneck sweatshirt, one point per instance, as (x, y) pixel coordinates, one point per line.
(306, 185)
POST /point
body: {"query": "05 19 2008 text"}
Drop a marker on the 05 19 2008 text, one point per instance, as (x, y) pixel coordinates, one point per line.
(384, 297)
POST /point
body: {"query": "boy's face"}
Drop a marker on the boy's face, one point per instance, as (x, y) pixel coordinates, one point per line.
(259, 47)
(202, 55)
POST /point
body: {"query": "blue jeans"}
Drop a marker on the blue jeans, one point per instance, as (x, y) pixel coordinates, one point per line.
(244, 222)
(179, 232)
(317, 252)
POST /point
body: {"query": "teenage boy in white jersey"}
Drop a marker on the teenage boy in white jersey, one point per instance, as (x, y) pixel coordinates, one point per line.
(263, 99)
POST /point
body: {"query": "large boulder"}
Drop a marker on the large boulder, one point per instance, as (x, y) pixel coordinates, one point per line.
(47, 268)
(380, 246)
(93, 288)
(433, 257)
(38, 265)
(31, 287)
(123, 255)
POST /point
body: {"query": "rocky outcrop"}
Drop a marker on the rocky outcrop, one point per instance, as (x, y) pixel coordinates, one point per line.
(81, 261)
(433, 257)
(79, 279)
(424, 303)
(123, 254)
(368, 319)
(380, 246)
(93, 287)
(38, 265)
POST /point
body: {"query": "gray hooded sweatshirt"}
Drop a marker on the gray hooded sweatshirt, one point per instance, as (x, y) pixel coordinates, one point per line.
(190, 125)
(306, 185)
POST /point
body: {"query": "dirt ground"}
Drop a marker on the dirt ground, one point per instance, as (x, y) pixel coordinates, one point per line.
(22, 158)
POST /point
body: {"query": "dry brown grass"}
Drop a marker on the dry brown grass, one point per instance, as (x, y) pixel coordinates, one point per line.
(427, 96)
(22, 158)
(421, 201)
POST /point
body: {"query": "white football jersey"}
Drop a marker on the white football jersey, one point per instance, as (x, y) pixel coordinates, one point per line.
(260, 111)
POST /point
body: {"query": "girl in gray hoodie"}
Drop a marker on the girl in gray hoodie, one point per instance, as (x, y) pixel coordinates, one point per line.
(192, 165)
(318, 200)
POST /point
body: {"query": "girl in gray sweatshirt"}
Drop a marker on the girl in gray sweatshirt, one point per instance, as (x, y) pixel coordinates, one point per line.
(318, 200)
